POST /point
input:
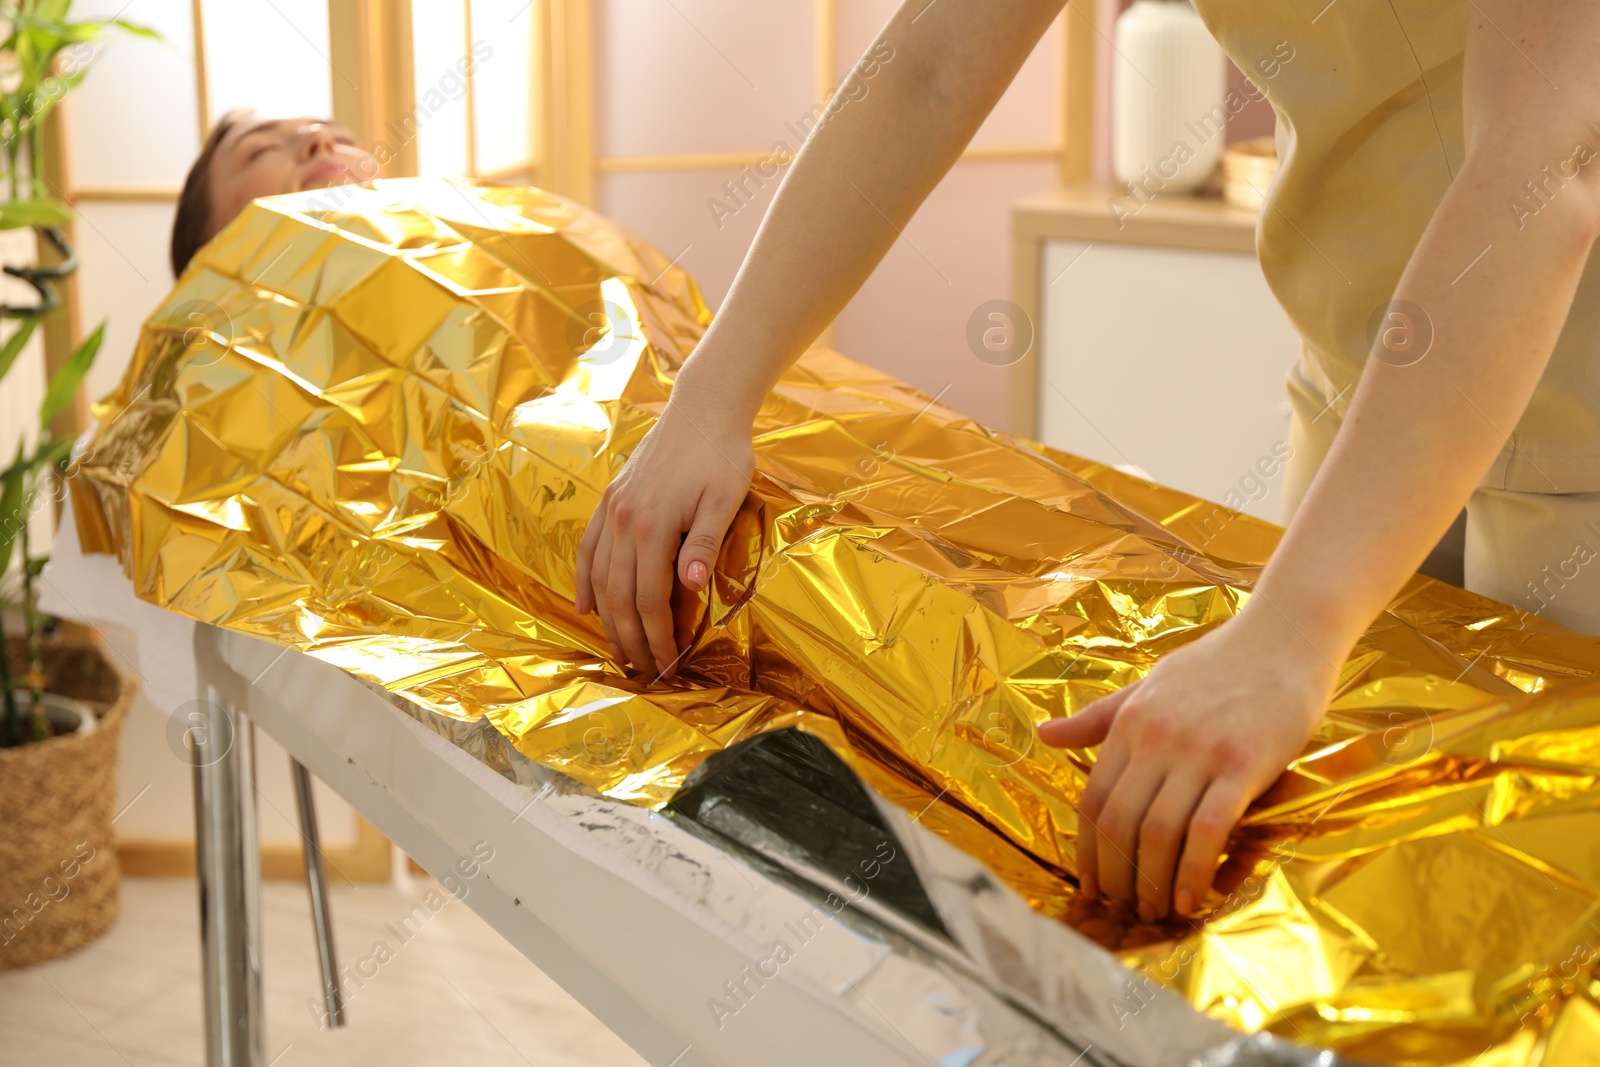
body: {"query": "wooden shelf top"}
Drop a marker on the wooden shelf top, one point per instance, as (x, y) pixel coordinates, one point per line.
(1085, 213)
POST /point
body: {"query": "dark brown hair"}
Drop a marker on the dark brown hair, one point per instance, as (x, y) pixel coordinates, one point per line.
(191, 228)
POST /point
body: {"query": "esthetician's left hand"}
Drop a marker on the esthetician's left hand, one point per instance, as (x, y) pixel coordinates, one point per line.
(1186, 749)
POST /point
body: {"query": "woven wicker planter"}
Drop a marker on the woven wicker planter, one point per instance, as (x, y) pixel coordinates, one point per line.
(58, 868)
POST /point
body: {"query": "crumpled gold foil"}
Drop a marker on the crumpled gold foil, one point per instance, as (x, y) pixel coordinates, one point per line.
(371, 424)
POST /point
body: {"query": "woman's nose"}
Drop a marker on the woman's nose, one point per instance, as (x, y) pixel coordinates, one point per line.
(315, 139)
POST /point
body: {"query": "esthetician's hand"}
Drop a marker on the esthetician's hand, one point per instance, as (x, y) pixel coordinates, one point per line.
(688, 476)
(1186, 749)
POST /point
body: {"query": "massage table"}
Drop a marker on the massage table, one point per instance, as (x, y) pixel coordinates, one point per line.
(644, 918)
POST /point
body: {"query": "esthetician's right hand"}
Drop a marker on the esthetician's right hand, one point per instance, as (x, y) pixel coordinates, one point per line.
(689, 475)
(924, 87)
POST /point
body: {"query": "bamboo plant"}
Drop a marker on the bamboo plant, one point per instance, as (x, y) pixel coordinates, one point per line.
(42, 58)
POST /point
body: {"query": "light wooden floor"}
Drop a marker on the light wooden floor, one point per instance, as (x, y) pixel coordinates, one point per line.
(455, 993)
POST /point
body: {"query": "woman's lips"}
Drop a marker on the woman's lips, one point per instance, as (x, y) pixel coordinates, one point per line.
(323, 173)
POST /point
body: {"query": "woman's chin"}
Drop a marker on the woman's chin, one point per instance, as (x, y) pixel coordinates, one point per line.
(330, 181)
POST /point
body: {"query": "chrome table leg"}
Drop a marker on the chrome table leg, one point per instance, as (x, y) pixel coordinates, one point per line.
(228, 867)
(317, 886)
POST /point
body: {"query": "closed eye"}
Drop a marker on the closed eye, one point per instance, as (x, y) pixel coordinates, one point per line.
(257, 152)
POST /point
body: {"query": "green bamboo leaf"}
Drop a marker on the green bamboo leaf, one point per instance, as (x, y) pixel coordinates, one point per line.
(44, 42)
(66, 381)
(14, 345)
(27, 61)
(81, 32)
(137, 30)
(32, 121)
(11, 516)
(19, 467)
(15, 214)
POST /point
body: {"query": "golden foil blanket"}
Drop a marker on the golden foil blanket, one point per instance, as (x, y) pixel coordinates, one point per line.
(371, 423)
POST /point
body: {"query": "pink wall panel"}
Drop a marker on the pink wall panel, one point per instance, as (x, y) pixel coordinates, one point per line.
(910, 319)
(858, 24)
(1028, 114)
(668, 208)
(1030, 111)
(1106, 12)
(700, 75)
(1255, 119)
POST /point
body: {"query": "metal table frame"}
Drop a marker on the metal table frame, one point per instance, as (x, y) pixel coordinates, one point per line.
(221, 746)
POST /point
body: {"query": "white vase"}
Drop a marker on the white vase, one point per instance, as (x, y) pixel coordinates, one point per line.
(1168, 99)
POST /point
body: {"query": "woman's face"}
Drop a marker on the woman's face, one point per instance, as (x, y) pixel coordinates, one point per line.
(264, 157)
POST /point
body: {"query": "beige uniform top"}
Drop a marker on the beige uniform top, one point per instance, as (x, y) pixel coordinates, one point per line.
(1369, 137)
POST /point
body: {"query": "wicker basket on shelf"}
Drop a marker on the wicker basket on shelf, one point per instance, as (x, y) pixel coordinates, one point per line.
(1247, 171)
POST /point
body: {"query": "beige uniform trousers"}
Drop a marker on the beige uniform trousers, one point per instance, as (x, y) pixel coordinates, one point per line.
(1538, 552)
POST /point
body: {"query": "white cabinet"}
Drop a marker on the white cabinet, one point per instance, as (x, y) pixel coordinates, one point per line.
(1152, 349)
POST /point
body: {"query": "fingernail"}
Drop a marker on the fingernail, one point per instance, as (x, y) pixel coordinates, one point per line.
(661, 666)
(1146, 913)
(1183, 902)
(616, 651)
(697, 574)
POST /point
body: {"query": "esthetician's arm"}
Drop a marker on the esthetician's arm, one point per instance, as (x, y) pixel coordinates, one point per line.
(853, 186)
(1187, 749)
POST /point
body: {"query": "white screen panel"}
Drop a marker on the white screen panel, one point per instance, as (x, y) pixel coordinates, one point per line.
(122, 249)
(134, 120)
(701, 75)
(439, 38)
(270, 56)
(23, 386)
(503, 33)
(1209, 346)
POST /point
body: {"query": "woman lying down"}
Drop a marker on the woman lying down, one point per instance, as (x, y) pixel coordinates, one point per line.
(249, 156)
(408, 491)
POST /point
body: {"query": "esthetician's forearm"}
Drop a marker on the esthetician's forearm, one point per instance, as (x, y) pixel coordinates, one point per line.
(1418, 438)
(855, 184)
